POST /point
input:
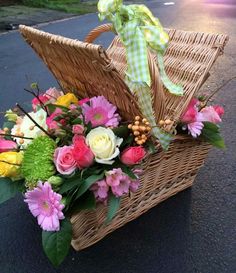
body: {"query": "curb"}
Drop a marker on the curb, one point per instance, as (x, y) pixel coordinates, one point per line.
(48, 23)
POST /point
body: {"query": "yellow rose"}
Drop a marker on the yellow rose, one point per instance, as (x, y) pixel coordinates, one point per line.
(104, 144)
(9, 162)
(67, 100)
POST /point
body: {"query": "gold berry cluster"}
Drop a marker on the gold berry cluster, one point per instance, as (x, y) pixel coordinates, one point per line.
(141, 129)
(164, 123)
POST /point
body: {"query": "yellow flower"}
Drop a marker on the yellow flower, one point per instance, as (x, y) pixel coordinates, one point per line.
(66, 100)
(9, 164)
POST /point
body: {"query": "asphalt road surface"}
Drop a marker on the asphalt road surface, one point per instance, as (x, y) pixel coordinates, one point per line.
(192, 232)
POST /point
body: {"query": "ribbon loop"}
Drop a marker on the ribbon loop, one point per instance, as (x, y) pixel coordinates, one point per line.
(139, 29)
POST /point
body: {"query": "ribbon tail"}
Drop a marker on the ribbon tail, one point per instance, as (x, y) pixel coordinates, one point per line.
(143, 93)
(174, 89)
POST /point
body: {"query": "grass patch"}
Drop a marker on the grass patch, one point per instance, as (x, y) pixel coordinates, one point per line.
(70, 6)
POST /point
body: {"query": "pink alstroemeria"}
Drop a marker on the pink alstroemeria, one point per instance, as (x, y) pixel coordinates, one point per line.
(118, 181)
(100, 190)
(53, 94)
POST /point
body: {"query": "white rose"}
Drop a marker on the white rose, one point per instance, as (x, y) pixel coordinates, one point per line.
(104, 144)
(28, 128)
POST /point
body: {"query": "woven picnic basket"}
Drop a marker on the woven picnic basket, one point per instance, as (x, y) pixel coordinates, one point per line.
(89, 70)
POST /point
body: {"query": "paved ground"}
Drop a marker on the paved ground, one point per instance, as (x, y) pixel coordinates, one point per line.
(19, 14)
(193, 232)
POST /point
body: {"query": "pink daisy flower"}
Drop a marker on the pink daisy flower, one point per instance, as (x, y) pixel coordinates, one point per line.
(195, 128)
(100, 112)
(45, 204)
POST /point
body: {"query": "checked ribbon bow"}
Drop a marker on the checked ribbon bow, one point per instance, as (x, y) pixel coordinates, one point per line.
(138, 29)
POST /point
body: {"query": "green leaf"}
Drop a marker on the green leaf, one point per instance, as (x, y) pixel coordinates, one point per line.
(77, 121)
(113, 206)
(151, 147)
(127, 141)
(88, 182)
(34, 85)
(56, 244)
(52, 107)
(128, 171)
(8, 189)
(69, 184)
(86, 201)
(121, 131)
(89, 127)
(211, 134)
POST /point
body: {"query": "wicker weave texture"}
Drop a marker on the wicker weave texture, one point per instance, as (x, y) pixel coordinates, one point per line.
(188, 60)
(165, 174)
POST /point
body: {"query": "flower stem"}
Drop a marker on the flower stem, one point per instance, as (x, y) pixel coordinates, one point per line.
(40, 127)
(37, 97)
(10, 163)
(218, 89)
(9, 135)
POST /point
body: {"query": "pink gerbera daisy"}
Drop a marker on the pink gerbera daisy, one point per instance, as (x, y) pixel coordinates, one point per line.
(100, 112)
(195, 128)
(45, 204)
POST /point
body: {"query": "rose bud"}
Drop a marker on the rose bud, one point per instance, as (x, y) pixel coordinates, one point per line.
(78, 129)
(133, 155)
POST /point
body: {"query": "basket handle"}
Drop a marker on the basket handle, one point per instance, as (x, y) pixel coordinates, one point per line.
(97, 31)
(157, 87)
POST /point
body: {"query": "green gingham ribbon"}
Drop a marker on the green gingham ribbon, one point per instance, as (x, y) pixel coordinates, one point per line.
(138, 29)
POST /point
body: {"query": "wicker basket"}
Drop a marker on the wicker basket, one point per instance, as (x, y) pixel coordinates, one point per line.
(90, 70)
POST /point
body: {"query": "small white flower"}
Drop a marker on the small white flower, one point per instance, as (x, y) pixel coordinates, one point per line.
(27, 128)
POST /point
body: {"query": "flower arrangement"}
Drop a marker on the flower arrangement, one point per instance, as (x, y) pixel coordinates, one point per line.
(66, 155)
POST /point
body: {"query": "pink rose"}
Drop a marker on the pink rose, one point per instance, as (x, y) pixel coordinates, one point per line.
(191, 113)
(209, 114)
(51, 123)
(64, 160)
(81, 102)
(82, 153)
(78, 129)
(219, 110)
(7, 145)
(133, 155)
